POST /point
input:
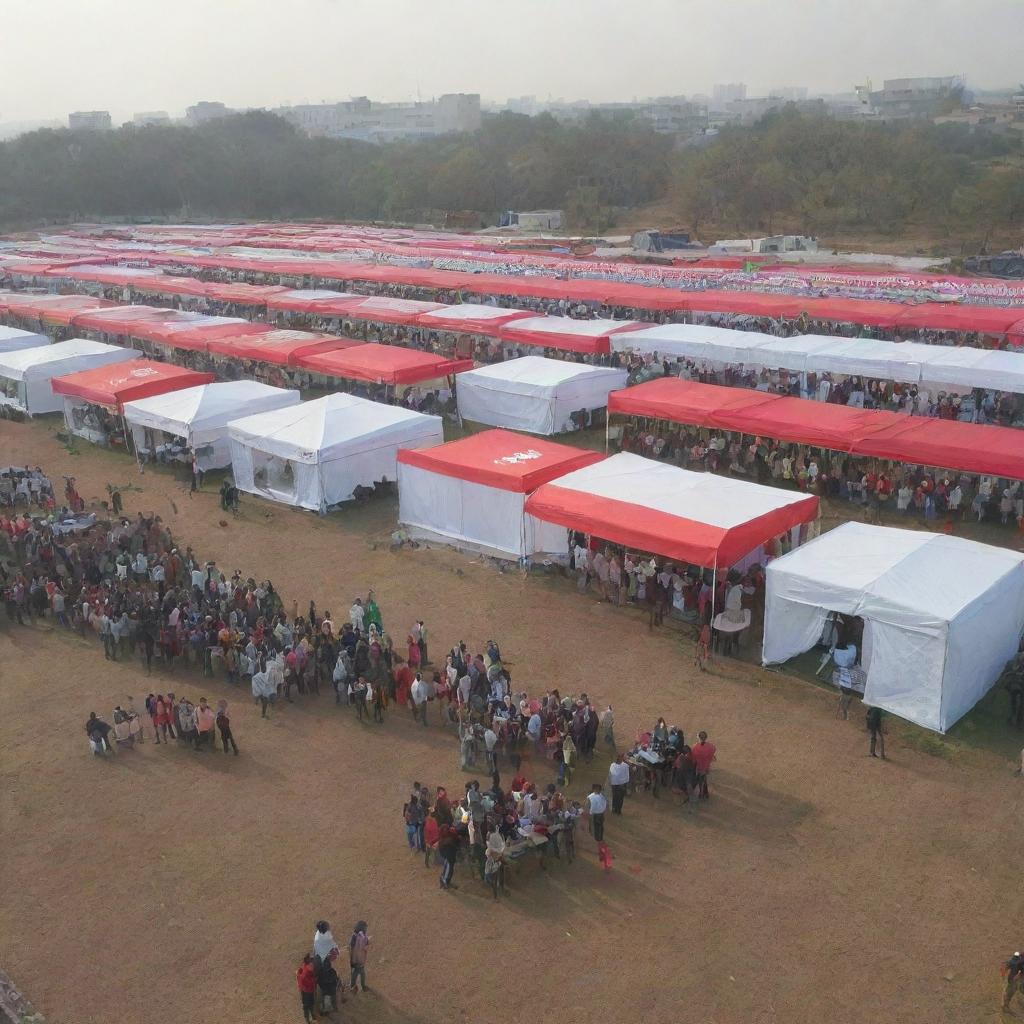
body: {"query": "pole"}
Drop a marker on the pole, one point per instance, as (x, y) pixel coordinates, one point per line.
(607, 430)
(714, 598)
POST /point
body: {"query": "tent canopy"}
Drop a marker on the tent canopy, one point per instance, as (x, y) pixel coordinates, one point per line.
(112, 386)
(562, 332)
(501, 459)
(303, 300)
(375, 307)
(283, 348)
(11, 339)
(62, 357)
(471, 318)
(383, 364)
(942, 615)
(651, 506)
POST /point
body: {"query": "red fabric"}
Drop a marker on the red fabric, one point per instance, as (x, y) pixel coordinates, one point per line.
(54, 309)
(118, 383)
(383, 364)
(591, 345)
(119, 319)
(195, 336)
(501, 459)
(490, 327)
(645, 529)
(379, 308)
(948, 316)
(945, 444)
(283, 348)
(306, 978)
(251, 294)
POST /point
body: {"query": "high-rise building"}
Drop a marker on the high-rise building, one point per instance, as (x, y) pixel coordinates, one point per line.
(90, 121)
(732, 92)
(206, 110)
(151, 117)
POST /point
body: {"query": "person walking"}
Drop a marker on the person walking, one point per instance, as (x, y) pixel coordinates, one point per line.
(597, 804)
(224, 727)
(420, 692)
(703, 753)
(618, 779)
(305, 978)
(448, 848)
(876, 728)
(1013, 974)
(358, 945)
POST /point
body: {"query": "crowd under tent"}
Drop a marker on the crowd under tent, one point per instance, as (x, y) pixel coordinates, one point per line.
(472, 493)
(280, 347)
(535, 394)
(942, 615)
(652, 507)
(472, 318)
(25, 374)
(914, 440)
(383, 364)
(94, 399)
(316, 454)
(196, 419)
(11, 339)
(591, 337)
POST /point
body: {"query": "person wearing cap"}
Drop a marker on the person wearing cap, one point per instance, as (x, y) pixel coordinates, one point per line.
(1013, 972)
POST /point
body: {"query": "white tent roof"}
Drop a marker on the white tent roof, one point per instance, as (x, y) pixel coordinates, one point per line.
(206, 407)
(468, 311)
(566, 325)
(942, 614)
(530, 375)
(333, 427)
(691, 341)
(11, 339)
(59, 359)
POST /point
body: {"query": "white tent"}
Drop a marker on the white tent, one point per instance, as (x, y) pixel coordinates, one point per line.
(25, 375)
(471, 493)
(315, 454)
(942, 615)
(200, 415)
(692, 341)
(12, 340)
(534, 394)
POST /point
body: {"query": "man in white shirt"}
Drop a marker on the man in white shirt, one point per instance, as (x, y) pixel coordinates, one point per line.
(596, 807)
(533, 727)
(618, 779)
(491, 743)
(356, 613)
(419, 693)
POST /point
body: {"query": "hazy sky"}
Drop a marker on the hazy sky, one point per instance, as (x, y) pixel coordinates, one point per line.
(135, 55)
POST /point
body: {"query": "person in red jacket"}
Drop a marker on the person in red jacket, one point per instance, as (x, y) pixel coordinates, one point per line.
(703, 753)
(305, 978)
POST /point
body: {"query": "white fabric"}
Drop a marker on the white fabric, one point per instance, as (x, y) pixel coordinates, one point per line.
(534, 394)
(315, 454)
(942, 615)
(466, 311)
(201, 415)
(34, 368)
(691, 341)
(12, 340)
(435, 506)
(567, 326)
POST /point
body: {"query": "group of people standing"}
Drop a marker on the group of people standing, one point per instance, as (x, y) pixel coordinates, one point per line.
(320, 987)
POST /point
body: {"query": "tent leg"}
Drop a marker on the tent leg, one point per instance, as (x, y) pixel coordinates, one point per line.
(714, 598)
(607, 430)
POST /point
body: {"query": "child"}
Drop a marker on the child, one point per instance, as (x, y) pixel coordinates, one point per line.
(704, 646)
(328, 982)
(305, 978)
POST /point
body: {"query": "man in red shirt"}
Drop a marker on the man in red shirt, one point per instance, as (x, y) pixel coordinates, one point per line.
(703, 753)
(305, 978)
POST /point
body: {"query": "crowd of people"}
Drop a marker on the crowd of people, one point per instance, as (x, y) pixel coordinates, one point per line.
(320, 988)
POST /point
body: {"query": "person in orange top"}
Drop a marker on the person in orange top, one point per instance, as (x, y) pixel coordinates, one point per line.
(305, 978)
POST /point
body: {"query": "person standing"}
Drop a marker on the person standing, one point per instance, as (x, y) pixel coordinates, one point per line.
(1013, 972)
(323, 943)
(305, 978)
(703, 753)
(447, 847)
(205, 722)
(876, 728)
(419, 693)
(224, 726)
(358, 945)
(597, 804)
(187, 723)
(97, 730)
(263, 688)
(618, 779)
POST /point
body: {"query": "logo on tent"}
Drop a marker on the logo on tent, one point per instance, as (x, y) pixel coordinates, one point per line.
(517, 457)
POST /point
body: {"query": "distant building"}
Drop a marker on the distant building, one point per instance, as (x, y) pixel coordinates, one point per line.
(362, 118)
(151, 117)
(667, 115)
(206, 111)
(532, 220)
(522, 105)
(791, 93)
(732, 92)
(914, 97)
(90, 121)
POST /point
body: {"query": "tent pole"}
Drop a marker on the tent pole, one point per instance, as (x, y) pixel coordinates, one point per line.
(714, 598)
(607, 430)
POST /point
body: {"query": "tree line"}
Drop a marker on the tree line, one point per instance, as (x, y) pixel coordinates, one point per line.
(790, 171)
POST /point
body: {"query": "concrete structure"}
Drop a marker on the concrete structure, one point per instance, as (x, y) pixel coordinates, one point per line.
(362, 118)
(533, 220)
(914, 97)
(728, 93)
(151, 117)
(205, 111)
(90, 121)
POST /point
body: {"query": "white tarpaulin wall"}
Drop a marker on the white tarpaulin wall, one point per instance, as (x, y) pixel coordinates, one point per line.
(942, 615)
(484, 518)
(315, 454)
(534, 394)
(25, 374)
(11, 339)
(906, 362)
(200, 415)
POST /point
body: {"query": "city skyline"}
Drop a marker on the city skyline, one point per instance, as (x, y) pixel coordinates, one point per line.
(395, 50)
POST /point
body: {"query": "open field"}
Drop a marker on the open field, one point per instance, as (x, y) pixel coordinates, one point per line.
(165, 885)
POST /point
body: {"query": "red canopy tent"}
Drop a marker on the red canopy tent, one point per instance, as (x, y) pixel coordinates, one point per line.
(383, 364)
(303, 300)
(111, 386)
(949, 316)
(241, 293)
(282, 348)
(469, 318)
(376, 308)
(54, 309)
(943, 444)
(121, 320)
(567, 334)
(192, 332)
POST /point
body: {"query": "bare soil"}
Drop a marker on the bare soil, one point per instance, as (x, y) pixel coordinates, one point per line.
(165, 885)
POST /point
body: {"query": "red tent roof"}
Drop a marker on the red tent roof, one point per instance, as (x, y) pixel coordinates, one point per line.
(118, 383)
(375, 307)
(948, 316)
(588, 336)
(54, 309)
(943, 444)
(501, 459)
(186, 331)
(466, 318)
(244, 294)
(283, 348)
(383, 364)
(303, 300)
(119, 319)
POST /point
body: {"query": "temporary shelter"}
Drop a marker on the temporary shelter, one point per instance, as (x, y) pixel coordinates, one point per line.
(315, 455)
(562, 332)
(942, 615)
(25, 374)
(471, 318)
(471, 493)
(383, 364)
(11, 339)
(92, 396)
(649, 506)
(200, 416)
(535, 394)
(281, 347)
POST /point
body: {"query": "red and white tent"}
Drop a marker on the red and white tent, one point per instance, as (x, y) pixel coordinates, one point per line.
(383, 364)
(563, 332)
(471, 493)
(649, 506)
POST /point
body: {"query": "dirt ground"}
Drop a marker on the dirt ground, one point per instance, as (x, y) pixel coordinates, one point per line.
(166, 885)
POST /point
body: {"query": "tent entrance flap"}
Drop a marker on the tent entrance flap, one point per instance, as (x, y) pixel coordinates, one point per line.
(274, 476)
